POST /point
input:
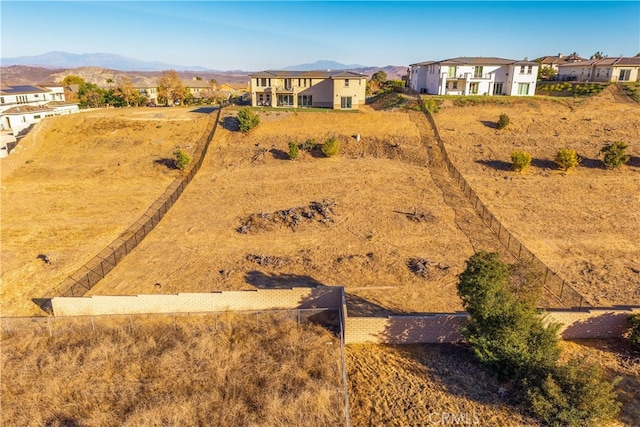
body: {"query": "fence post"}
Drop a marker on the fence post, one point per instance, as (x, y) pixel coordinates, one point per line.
(93, 326)
(562, 290)
(298, 316)
(131, 323)
(49, 326)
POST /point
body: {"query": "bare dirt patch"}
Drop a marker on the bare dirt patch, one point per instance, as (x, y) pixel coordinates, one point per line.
(366, 246)
(584, 224)
(75, 183)
(424, 384)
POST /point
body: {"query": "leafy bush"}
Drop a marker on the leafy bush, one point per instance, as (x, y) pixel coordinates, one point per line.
(309, 145)
(431, 106)
(634, 324)
(247, 119)
(575, 394)
(181, 159)
(614, 155)
(294, 150)
(331, 147)
(567, 159)
(520, 161)
(503, 121)
(505, 333)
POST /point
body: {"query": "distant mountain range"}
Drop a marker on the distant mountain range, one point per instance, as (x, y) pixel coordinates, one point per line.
(98, 67)
(106, 60)
(323, 64)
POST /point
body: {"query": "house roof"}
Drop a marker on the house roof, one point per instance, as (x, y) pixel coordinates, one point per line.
(21, 89)
(338, 74)
(560, 59)
(477, 60)
(620, 61)
(23, 109)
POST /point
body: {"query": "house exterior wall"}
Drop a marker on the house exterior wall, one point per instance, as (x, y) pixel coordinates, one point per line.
(324, 92)
(598, 73)
(355, 89)
(18, 122)
(466, 79)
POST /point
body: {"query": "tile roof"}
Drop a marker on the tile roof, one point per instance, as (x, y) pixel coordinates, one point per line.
(18, 90)
(619, 61)
(309, 74)
(477, 60)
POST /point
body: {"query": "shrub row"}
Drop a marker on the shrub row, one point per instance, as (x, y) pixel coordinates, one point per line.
(330, 148)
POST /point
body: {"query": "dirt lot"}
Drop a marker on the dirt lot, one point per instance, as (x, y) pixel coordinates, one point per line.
(405, 385)
(74, 184)
(365, 242)
(584, 224)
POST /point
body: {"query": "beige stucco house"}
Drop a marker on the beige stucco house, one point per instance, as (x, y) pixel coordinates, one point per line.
(618, 69)
(340, 90)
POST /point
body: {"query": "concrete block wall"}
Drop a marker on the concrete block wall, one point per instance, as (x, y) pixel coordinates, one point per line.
(261, 299)
(594, 323)
(438, 328)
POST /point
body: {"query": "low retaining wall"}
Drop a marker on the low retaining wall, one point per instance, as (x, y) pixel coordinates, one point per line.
(436, 328)
(593, 323)
(261, 299)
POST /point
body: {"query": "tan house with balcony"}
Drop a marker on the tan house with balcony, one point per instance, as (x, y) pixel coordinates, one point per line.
(618, 69)
(339, 90)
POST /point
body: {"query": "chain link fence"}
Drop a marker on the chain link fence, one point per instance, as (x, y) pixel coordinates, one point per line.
(86, 277)
(552, 282)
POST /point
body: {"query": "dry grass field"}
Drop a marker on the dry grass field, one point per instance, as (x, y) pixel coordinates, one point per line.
(413, 385)
(584, 224)
(74, 184)
(228, 372)
(365, 243)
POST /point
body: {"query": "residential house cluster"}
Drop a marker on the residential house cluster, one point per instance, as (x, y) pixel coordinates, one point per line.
(23, 105)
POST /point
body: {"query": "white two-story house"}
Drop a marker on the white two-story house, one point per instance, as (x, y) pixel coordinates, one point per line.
(474, 76)
(340, 90)
(23, 105)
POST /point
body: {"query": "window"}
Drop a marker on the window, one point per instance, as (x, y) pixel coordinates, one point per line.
(263, 82)
(477, 72)
(305, 101)
(37, 116)
(523, 88)
(452, 71)
(260, 99)
(522, 69)
(36, 95)
(497, 89)
(345, 102)
(2, 100)
(530, 69)
(473, 88)
(453, 85)
(285, 100)
(346, 82)
(624, 75)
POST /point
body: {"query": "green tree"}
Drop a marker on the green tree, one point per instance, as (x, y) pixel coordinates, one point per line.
(247, 119)
(574, 395)
(91, 96)
(127, 92)
(170, 88)
(614, 154)
(506, 333)
(379, 76)
(597, 55)
(72, 80)
(566, 158)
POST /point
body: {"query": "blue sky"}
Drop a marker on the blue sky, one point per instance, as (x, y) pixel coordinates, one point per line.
(269, 35)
